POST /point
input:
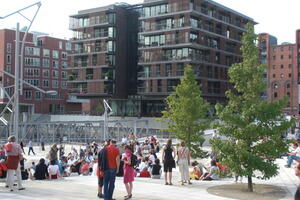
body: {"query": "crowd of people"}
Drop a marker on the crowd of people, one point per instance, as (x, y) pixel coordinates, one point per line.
(129, 159)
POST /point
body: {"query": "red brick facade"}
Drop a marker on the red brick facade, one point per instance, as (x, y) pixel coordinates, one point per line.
(45, 66)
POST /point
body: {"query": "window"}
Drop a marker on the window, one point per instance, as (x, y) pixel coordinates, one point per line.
(275, 86)
(32, 61)
(275, 95)
(46, 62)
(281, 75)
(281, 66)
(274, 75)
(37, 95)
(288, 85)
(157, 70)
(60, 44)
(64, 55)
(290, 56)
(8, 68)
(111, 46)
(63, 74)
(64, 84)
(32, 51)
(112, 32)
(281, 57)
(55, 74)
(46, 52)
(8, 59)
(28, 94)
(288, 94)
(55, 54)
(64, 64)
(34, 82)
(55, 64)
(180, 70)
(168, 70)
(46, 73)
(8, 47)
(45, 83)
(54, 84)
(290, 75)
(68, 46)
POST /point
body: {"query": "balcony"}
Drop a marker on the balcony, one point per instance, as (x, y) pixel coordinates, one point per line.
(90, 37)
(93, 50)
(78, 91)
(89, 77)
(78, 24)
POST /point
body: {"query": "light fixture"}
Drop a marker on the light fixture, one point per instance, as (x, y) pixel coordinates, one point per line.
(4, 121)
(9, 109)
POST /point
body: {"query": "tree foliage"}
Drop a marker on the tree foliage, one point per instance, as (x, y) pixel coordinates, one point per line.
(252, 125)
(186, 113)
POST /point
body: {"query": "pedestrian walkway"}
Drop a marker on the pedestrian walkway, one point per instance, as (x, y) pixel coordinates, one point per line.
(85, 187)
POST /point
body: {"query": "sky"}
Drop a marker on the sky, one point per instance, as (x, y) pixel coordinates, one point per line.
(278, 18)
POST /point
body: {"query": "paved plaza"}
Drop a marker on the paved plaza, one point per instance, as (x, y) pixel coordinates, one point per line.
(85, 187)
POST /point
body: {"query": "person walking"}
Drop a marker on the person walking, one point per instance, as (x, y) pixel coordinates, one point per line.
(14, 155)
(30, 148)
(168, 161)
(128, 172)
(22, 146)
(102, 166)
(42, 144)
(113, 157)
(183, 162)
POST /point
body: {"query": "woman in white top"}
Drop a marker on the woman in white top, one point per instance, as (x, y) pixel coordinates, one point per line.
(53, 170)
(183, 163)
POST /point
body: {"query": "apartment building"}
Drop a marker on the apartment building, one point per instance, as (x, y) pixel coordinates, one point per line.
(45, 66)
(105, 55)
(282, 70)
(176, 33)
(133, 55)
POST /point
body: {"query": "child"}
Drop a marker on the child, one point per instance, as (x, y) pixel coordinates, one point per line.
(145, 173)
(53, 170)
(196, 173)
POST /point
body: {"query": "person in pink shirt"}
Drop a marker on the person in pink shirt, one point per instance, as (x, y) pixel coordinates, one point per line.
(14, 154)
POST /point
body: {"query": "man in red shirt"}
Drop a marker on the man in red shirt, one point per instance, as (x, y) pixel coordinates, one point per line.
(113, 158)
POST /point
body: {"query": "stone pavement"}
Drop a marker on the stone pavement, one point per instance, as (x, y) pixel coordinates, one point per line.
(85, 187)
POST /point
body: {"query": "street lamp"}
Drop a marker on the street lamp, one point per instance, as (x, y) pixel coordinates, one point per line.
(18, 70)
(107, 111)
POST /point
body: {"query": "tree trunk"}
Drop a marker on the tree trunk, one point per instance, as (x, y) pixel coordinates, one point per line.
(189, 141)
(250, 185)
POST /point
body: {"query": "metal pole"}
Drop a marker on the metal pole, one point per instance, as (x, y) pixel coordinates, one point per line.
(16, 99)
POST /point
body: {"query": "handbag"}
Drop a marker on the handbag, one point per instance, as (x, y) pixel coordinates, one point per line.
(12, 162)
(173, 164)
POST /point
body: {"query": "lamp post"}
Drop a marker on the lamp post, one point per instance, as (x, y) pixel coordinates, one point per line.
(107, 111)
(18, 58)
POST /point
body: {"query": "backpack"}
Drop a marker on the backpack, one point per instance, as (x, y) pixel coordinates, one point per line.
(134, 160)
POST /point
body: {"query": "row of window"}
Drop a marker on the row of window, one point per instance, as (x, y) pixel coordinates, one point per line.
(282, 66)
(46, 83)
(38, 95)
(282, 75)
(34, 51)
(29, 72)
(282, 57)
(46, 63)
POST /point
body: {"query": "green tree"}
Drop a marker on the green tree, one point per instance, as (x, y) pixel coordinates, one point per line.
(186, 112)
(252, 125)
